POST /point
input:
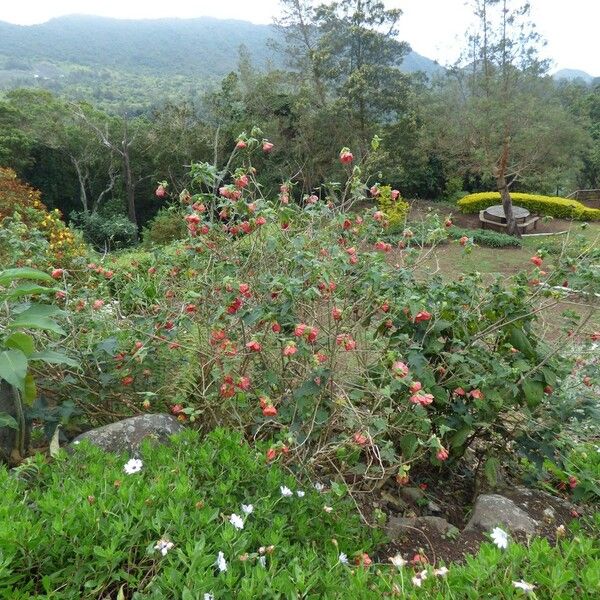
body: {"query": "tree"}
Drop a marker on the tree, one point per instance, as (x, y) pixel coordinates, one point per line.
(57, 125)
(361, 56)
(497, 114)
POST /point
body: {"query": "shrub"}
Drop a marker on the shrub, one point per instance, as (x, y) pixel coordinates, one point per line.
(396, 210)
(20, 203)
(483, 237)
(453, 190)
(106, 230)
(166, 227)
(544, 205)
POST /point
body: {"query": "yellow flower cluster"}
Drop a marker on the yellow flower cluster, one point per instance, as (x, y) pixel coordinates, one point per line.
(15, 195)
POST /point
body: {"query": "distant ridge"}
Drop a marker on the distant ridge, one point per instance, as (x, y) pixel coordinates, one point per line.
(572, 75)
(205, 47)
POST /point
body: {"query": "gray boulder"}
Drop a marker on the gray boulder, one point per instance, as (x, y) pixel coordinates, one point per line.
(127, 435)
(493, 510)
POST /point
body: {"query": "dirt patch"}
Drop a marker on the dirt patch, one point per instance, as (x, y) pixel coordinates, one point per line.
(429, 525)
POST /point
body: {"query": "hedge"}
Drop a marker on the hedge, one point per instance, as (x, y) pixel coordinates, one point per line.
(553, 206)
(485, 237)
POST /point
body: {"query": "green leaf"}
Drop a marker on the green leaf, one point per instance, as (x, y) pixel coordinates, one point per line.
(460, 437)
(534, 392)
(519, 340)
(490, 469)
(37, 316)
(30, 390)
(13, 368)
(54, 358)
(7, 421)
(10, 275)
(408, 443)
(20, 341)
(27, 289)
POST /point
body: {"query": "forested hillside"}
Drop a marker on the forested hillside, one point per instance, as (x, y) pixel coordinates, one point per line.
(130, 65)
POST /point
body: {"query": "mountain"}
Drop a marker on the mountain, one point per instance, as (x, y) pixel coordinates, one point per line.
(572, 75)
(101, 59)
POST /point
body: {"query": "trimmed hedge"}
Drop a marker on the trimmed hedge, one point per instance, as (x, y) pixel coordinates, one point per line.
(485, 237)
(553, 206)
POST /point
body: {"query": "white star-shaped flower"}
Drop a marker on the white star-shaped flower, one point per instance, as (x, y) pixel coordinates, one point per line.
(247, 509)
(441, 572)
(133, 465)
(500, 537)
(236, 521)
(221, 562)
(320, 487)
(163, 546)
(343, 558)
(398, 561)
(523, 585)
(300, 494)
(285, 491)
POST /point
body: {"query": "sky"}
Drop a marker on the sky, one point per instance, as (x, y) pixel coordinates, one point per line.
(434, 28)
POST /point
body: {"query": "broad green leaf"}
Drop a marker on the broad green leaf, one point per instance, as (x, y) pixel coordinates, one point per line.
(490, 469)
(7, 421)
(37, 316)
(13, 367)
(460, 437)
(30, 390)
(39, 323)
(408, 443)
(54, 358)
(41, 310)
(10, 275)
(534, 392)
(20, 341)
(519, 340)
(27, 289)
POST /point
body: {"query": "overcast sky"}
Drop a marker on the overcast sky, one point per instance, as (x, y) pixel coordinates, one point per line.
(434, 28)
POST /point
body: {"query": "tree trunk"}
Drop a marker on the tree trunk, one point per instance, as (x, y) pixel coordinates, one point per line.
(129, 189)
(502, 185)
(81, 178)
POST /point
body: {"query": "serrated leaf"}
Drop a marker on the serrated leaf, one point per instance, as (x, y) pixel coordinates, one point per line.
(490, 470)
(408, 443)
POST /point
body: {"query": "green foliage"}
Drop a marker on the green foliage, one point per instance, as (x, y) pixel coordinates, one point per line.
(396, 210)
(453, 191)
(105, 229)
(544, 205)
(484, 237)
(166, 227)
(18, 354)
(185, 494)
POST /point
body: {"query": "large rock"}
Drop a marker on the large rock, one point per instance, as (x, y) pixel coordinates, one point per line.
(493, 510)
(127, 435)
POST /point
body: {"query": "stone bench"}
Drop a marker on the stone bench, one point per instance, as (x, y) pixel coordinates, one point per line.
(523, 227)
